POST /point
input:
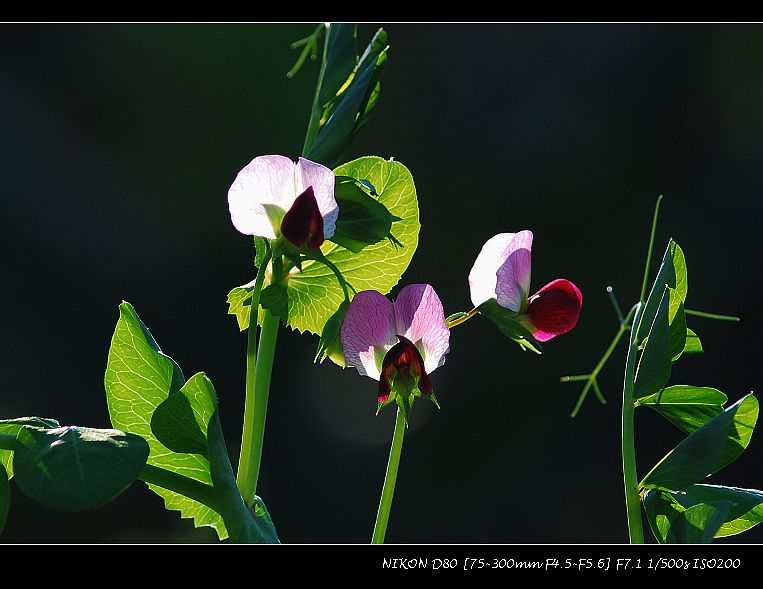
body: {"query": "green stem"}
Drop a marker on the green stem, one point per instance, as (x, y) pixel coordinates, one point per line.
(630, 476)
(651, 247)
(265, 356)
(315, 110)
(463, 318)
(388, 491)
(591, 378)
(245, 477)
(711, 315)
(7, 442)
(178, 483)
(615, 304)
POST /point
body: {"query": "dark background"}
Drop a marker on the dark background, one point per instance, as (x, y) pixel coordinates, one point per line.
(118, 146)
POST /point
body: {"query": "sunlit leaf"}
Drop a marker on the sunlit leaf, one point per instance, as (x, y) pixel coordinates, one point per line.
(655, 364)
(745, 511)
(687, 407)
(672, 273)
(12, 427)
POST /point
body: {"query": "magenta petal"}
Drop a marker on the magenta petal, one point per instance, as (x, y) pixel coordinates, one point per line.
(554, 309)
(322, 180)
(419, 317)
(368, 332)
(403, 361)
(302, 224)
(513, 276)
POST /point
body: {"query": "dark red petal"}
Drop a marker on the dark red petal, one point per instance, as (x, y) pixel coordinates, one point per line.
(554, 309)
(303, 223)
(405, 361)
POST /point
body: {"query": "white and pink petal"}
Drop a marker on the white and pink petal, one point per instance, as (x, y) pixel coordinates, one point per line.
(419, 317)
(368, 332)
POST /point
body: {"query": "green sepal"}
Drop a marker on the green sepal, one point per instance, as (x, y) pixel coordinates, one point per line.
(508, 322)
(261, 248)
(330, 344)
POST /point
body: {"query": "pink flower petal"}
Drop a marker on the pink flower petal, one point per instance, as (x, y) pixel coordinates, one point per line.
(322, 180)
(266, 180)
(483, 275)
(419, 317)
(368, 332)
(554, 309)
(513, 284)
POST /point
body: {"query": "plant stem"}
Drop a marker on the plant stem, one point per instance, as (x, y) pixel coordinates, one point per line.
(591, 378)
(245, 477)
(711, 315)
(388, 491)
(463, 319)
(649, 252)
(630, 476)
(315, 110)
(178, 483)
(265, 356)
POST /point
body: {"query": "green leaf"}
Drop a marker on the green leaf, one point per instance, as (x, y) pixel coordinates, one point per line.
(74, 468)
(275, 298)
(240, 304)
(693, 345)
(706, 450)
(139, 378)
(314, 294)
(341, 59)
(180, 422)
(12, 427)
(672, 273)
(348, 112)
(685, 406)
(330, 343)
(5, 497)
(507, 323)
(655, 365)
(672, 523)
(363, 220)
(199, 398)
(676, 325)
(745, 511)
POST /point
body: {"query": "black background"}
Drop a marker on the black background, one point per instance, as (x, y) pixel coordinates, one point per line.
(118, 146)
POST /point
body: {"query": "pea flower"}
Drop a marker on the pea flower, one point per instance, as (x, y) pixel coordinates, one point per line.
(502, 272)
(274, 196)
(399, 344)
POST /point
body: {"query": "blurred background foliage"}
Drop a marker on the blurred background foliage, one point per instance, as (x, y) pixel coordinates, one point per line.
(118, 146)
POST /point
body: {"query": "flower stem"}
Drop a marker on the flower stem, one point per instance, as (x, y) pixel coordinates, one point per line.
(463, 319)
(388, 491)
(649, 251)
(245, 478)
(630, 476)
(711, 315)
